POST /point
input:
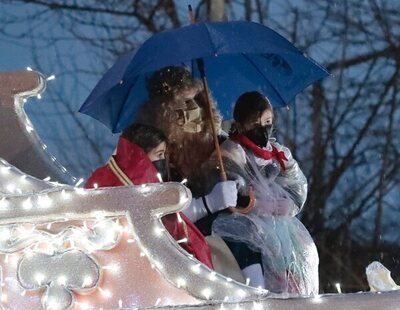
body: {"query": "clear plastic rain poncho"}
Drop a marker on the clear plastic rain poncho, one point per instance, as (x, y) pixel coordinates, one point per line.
(289, 255)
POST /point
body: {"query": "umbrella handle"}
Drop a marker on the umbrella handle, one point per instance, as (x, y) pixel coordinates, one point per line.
(249, 207)
(220, 166)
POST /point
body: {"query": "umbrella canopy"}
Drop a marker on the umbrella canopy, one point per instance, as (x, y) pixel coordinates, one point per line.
(238, 56)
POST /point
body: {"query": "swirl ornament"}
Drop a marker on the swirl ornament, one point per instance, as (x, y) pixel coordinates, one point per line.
(61, 274)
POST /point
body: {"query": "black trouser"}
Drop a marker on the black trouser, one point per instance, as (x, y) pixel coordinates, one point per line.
(243, 254)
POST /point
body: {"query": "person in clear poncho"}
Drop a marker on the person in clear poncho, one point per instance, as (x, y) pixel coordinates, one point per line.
(270, 230)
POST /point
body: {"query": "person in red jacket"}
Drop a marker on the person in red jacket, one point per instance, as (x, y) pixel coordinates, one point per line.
(139, 159)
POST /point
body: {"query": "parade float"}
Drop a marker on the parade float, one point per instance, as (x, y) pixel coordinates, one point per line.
(64, 247)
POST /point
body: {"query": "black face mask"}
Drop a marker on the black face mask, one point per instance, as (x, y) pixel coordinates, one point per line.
(259, 135)
(161, 166)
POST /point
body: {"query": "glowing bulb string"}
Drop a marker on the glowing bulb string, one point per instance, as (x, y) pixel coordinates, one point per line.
(30, 129)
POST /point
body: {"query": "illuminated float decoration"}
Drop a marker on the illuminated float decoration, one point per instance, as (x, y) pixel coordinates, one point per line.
(63, 247)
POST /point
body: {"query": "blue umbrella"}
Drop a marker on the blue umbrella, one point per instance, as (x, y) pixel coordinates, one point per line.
(238, 57)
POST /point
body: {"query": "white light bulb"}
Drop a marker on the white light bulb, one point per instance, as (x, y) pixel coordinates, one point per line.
(5, 170)
(180, 282)
(11, 187)
(179, 218)
(158, 231)
(183, 240)
(51, 77)
(196, 268)
(3, 204)
(44, 201)
(5, 234)
(213, 276)
(338, 288)
(105, 293)
(317, 299)
(39, 277)
(113, 268)
(64, 194)
(241, 293)
(80, 181)
(206, 293)
(28, 128)
(27, 204)
(62, 280)
(86, 281)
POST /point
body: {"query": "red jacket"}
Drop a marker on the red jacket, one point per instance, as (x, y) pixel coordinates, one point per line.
(136, 165)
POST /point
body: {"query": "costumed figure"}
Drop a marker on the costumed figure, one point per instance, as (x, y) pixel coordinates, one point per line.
(138, 159)
(270, 232)
(177, 106)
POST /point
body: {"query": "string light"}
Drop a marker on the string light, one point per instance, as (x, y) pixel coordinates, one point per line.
(196, 268)
(114, 268)
(62, 280)
(316, 299)
(158, 231)
(183, 240)
(180, 282)
(206, 293)
(86, 281)
(79, 235)
(27, 204)
(39, 277)
(105, 293)
(80, 181)
(212, 276)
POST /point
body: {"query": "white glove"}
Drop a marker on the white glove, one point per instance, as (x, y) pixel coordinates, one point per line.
(222, 196)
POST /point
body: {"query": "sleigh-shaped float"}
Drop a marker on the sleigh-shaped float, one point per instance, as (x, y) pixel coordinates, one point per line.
(63, 247)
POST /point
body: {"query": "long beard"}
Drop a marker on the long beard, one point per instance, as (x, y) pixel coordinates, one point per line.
(188, 151)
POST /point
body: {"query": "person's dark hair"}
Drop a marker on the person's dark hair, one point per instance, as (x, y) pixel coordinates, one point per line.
(145, 136)
(249, 107)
